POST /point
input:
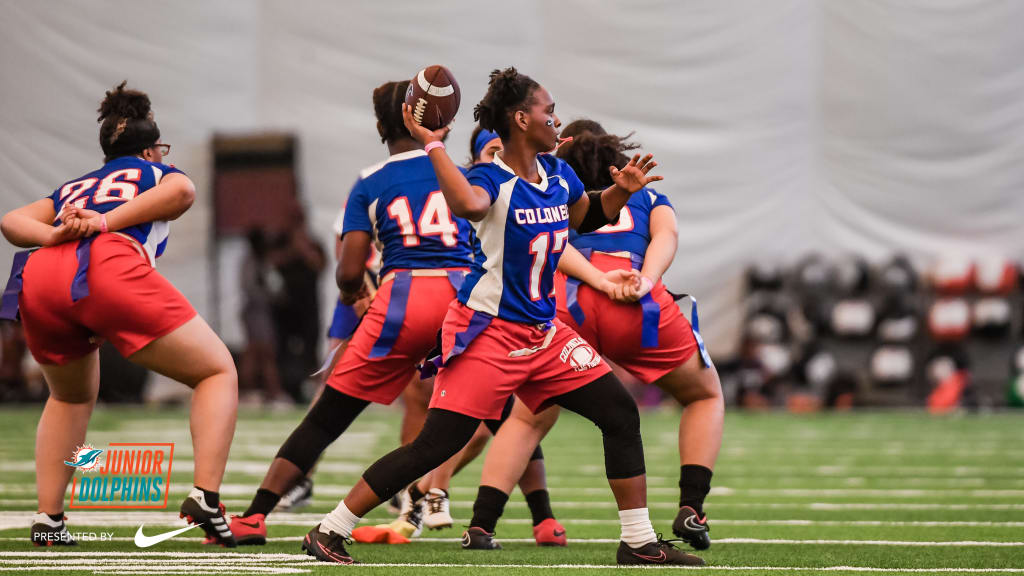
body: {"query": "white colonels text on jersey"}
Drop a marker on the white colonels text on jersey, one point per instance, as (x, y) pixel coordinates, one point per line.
(543, 215)
(580, 355)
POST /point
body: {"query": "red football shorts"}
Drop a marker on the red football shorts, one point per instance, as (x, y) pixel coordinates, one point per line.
(382, 379)
(614, 328)
(496, 364)
(129, 302)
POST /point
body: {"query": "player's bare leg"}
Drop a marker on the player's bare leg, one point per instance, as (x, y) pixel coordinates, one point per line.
(62, 426)
(700, 429)
(194, 355)
(699, 390)
(516, 440)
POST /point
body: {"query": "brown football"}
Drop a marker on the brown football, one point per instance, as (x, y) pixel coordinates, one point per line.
(434, 97)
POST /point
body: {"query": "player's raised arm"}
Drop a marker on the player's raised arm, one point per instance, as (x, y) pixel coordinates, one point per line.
(596, 209)
(465, 200)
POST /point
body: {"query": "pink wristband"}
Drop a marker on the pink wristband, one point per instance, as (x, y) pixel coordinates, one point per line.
(432, 145)
(103, 222)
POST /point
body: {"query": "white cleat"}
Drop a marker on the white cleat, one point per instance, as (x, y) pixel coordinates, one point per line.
(436, 514)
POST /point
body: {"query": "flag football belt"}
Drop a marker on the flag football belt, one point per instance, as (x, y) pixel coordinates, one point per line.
(651, 311)
(395, 315)
(479, 321)
(9, 303)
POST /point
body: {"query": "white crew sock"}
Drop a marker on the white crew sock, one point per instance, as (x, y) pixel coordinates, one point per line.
(341, 521)
(636, 527)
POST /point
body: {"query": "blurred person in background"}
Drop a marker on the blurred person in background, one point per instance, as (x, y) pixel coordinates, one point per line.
(258, 369)
(299, 260)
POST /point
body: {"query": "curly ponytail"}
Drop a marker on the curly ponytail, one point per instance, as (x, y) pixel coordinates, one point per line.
(592, 151)
(127, 126)
(508, 91)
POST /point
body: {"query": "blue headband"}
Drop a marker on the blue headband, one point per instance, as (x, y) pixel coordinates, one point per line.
(481, 140)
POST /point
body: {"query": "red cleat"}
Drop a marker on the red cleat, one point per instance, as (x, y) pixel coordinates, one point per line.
(249, 530)
(550, 533)
(379, 534)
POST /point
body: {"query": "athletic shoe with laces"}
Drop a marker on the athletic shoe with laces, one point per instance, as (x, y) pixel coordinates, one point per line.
(410, 519)
(49, 532)
(475, 538)
(692, 529)
(550, 533)
(299, 496)
(249, 530)
(436, 505)
(327, 547)
(195, 511)
(659, 552)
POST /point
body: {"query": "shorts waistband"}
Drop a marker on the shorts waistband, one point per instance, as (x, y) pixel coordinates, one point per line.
(424, 273)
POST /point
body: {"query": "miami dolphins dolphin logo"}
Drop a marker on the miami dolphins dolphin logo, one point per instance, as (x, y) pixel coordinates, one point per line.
(85, 458)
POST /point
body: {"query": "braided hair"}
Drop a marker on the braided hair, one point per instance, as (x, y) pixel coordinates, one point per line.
(126, 123)
(592, 150)
(387, 106)
(508, 92)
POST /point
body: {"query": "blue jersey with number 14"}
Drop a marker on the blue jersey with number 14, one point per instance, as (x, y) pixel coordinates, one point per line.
(116, 182)
(400, 203)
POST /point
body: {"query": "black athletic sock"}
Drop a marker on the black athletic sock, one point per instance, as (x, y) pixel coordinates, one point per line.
(58, 517)
(211, 498)
(694, 485)
(263, 502)
(490, 503)
(540, 505)
(414, 492)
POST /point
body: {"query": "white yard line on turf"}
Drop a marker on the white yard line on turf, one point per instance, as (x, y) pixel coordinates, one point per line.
(773, 541)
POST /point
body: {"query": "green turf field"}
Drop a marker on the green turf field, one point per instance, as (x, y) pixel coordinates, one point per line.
(865, 493)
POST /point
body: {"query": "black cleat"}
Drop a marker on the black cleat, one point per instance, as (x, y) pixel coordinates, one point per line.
(48, 532)
(660, 552)
(212, 520)
(299, 496)
(327, 547)
(475, 538)
(692, 529)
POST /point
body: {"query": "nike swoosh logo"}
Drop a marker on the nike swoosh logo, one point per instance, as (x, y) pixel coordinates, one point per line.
(255, 525)
(692, 524)
(143, 541)
(559, 533)
(659, 559)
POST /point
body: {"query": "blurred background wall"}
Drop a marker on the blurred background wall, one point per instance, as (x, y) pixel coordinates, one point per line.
(866, 126)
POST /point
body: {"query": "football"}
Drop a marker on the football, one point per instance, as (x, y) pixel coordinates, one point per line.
(434, 97)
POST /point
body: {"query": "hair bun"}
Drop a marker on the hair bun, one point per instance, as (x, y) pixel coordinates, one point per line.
(122, 103)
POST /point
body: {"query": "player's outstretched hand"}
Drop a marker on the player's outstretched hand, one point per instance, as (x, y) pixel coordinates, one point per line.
(621, 285)
(419, 133)
(633, 176)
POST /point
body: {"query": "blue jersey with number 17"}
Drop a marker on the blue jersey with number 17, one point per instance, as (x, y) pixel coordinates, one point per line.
(400, 203)
(520, 239)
